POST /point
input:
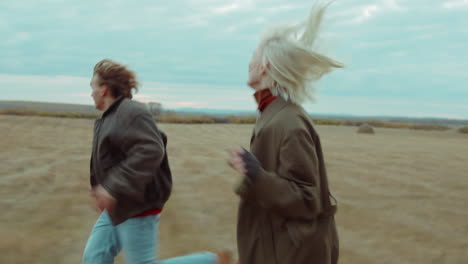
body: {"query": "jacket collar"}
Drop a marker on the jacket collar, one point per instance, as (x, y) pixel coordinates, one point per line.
(113, 106)
(276, 106)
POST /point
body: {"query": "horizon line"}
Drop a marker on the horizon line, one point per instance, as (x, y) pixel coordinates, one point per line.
(201, 109)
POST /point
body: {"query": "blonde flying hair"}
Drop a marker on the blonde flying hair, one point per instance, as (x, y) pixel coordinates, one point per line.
(292, 65)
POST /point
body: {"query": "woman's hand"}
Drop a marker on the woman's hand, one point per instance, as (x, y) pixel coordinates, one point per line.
(235, 160)
(244, 162)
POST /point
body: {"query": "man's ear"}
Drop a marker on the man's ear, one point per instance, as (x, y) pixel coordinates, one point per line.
(105, 90)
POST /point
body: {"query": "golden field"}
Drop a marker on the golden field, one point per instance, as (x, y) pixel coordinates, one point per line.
(402, 194)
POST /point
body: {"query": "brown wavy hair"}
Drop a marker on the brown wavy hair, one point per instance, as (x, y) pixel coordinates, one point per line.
(120, 80)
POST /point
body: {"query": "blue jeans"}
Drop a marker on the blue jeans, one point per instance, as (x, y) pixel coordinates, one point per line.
(137, 237)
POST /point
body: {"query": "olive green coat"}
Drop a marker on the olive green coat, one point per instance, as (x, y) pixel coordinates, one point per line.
(286, 215)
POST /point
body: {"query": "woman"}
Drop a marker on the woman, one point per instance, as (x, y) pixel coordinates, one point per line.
(285, 213)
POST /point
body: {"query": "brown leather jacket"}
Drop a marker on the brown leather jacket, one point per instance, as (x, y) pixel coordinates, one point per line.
(129, 159)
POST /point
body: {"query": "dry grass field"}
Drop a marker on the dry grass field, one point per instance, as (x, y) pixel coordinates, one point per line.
(403, 194)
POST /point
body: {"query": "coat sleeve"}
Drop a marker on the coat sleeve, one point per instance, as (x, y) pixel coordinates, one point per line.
(293, 190)
(144, 151)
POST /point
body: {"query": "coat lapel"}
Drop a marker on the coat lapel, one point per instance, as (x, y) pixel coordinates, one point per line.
(268, 114)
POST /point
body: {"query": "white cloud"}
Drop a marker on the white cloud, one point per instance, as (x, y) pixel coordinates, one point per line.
(424, 36)
(79, 94)
(369, 11)
(143, 96)
(385, 106)
(73, 89)
(259, 20)
(196, 20)
(68, 89)
(232, 28)
(356, 15)
(391, 4)
(186, 104)
(281, 8)
(399, 53)
(447, 116)
(438, 105)
(226, 8)
(246, 23)
(234, 6)
(10, 79)
(455, 4)
(17, 38)
(371, 44)
(3, 23)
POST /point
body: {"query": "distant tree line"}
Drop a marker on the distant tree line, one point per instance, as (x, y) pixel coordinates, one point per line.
(169, 116)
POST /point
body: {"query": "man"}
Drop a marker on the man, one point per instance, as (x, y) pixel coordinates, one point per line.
(130, 175)
(285, 213)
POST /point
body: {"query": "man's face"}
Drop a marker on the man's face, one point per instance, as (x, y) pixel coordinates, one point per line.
(97, 93)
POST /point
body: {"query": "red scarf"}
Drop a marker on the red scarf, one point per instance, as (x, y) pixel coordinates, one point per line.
(264, 98)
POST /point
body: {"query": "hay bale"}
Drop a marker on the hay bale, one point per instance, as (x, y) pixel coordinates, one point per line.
(365, 129)
(463, 130)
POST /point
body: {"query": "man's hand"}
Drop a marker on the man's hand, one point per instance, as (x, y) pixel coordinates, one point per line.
(94, 202)
(102, 199)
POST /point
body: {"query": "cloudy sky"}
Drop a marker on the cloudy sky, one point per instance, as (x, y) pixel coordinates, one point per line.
(403, 57)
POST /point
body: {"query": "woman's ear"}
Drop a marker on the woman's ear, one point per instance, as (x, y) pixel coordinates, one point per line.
(264, 68)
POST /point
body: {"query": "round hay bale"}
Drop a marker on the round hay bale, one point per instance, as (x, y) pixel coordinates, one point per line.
(463, 130)
(365, 129)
